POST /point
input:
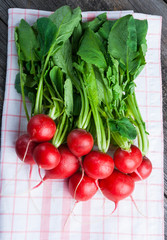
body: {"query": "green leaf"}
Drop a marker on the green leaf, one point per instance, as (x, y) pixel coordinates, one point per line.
(100, 86)
(75, 39)
(141, 29)
(91, 85)
(117, 92)
(27, 87)
(61, 15)
(56, 76)
(47, 31)
(104, 92)
(96, 23)
(17, 42)
(68, 97)
(104, 31)
(122, 42)
(26, 42)
(63, 57)
(124, 127)
(31, 97)
(90, 50)
(66, 20)
(17, 83)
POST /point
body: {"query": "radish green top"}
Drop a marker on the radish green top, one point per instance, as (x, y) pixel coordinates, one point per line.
(82, 75)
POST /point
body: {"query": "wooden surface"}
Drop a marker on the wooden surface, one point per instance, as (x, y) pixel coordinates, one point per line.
(158, 7)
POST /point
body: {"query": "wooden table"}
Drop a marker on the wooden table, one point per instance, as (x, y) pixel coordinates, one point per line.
(158, 7)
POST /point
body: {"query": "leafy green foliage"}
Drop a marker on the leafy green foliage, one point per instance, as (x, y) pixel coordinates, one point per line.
(28, 88)
(46, 34)
(90, 50)
(82, 74)
(104, 31)
(66, 20)
(56, 76)
(27, 41)
(96, 23)
(124, 127)
(122, 42)
(63, 57)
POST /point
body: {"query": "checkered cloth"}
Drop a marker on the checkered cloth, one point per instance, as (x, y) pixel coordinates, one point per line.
(41, 215)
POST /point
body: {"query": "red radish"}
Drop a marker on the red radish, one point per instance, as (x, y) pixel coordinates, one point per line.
(46, 155)
(80, 142)
(68, 165)
(85, 190)
(98, 165)
(41, 128)
(20, 148)
(144, 170)
(117, 186)
(128, 162)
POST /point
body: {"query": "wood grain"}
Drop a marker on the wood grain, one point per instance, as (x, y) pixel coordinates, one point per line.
(158, 7)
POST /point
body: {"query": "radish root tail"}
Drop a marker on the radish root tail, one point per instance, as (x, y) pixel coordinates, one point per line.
(71, 212)
(36, 186)
(30, 172)
(133, 201)
(82, 176)
(28, 144)
(138, 174)
(116, 205)
(97, 184)
(39, 172)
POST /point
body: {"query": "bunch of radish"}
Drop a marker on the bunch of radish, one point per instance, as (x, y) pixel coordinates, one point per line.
(87, 170)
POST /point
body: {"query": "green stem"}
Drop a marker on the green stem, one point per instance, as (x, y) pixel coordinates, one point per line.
(133, 106)
(39, 95)
(79, 124)
(102, 143)
(61, 130)
(108, 137)
(122, 143)
(22, 91)
(38, 103)
(97, 125)
(86, 123)
(139, 138)
(62, 138)
(84, 114)
(54, 113)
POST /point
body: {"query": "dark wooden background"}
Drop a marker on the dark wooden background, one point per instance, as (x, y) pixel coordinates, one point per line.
(158, 7)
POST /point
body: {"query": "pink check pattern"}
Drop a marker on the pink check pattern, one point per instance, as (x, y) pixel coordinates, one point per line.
(41, 214)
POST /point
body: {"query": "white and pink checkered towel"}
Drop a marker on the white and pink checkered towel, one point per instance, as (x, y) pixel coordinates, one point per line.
(41, 215)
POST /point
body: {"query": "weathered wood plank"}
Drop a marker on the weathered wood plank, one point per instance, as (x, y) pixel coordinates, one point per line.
(3, 51)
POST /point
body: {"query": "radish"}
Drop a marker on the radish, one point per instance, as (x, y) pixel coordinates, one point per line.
(20, 148)
(68, 165)
(80, 142)
(144, 170)
(98, 165)
(84, 190)
(128, 161)
(41, 128)
(46, 155)
(117, 187)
